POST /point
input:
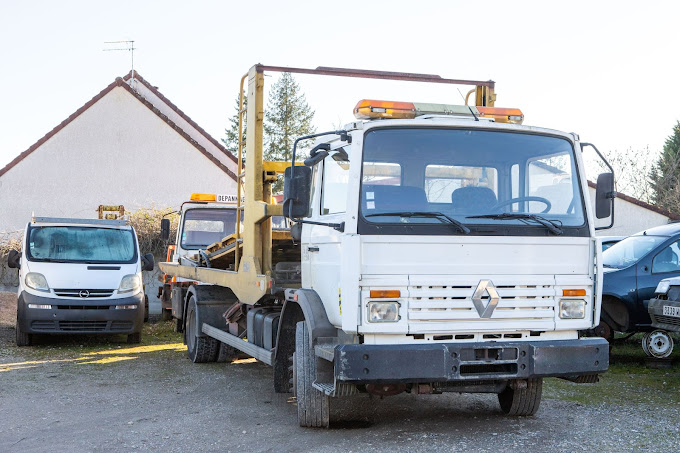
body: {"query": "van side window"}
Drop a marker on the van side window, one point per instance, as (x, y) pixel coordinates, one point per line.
(667, 260)
(334, 184)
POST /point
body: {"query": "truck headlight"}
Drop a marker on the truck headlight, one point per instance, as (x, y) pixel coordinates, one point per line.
(662, 287)
(129, 283)
(383, 311)
(572, 309)
(36, 281)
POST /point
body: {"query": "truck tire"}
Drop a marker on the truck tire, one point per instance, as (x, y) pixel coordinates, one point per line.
(522, 401)
(166, 315)
(313, 405)
(227, 353)
(23, 338)
(134, 338)
(200, 349)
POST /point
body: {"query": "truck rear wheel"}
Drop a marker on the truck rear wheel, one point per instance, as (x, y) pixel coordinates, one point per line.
(201, 349)
(313, 405)
(23, 338)
(515, 400)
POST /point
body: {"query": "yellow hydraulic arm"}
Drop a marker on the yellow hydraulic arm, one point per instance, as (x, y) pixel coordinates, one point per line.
(251, 278)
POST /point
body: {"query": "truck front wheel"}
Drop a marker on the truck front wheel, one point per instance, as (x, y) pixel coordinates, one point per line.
(312, 405)
(519, 399)
(201, 349)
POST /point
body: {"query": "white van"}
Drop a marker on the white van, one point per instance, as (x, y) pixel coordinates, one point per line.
(79, 276)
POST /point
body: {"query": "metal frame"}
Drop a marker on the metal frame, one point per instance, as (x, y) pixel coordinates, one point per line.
(252, 277)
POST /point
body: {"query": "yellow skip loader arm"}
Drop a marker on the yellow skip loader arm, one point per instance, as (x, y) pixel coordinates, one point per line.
(251, 277)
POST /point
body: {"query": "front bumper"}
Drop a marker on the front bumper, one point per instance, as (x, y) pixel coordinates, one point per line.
(661, 321)
(74, 316)
(446, 362)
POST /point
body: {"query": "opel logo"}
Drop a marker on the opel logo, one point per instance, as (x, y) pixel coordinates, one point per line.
(84, 293)
(485, 287)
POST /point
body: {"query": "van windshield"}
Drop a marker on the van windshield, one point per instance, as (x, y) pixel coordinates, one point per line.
(78, 244)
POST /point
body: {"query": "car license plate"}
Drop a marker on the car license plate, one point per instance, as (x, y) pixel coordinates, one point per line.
(671, 311)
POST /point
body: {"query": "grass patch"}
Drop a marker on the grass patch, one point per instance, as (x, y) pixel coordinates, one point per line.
(628, 380)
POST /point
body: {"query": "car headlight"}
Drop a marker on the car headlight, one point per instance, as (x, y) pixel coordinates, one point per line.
(129, 283)
(36, 281)
(383, 311)
(662, 287)
(572, 309)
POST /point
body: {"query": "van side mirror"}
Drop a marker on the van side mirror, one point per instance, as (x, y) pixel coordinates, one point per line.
(14, 259)
(297, 191)
(165, 229)
(604, 195)
(148, 262)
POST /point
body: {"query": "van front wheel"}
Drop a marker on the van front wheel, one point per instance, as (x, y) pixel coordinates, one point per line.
(23, 338)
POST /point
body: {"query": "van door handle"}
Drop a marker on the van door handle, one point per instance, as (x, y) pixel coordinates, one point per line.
(313, 249)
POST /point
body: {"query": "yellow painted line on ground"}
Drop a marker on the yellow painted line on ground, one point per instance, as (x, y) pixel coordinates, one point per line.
(89, 356)
(110, 360)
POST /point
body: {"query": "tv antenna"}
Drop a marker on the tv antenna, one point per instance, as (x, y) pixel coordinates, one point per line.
(129, 46)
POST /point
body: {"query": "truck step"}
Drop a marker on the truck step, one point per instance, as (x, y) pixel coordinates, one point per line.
(261, 354)
(325, 351)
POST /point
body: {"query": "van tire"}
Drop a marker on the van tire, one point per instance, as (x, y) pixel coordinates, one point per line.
(146, 308)
(522, 401)
(313, 406)
(200, 349)
(134, 338)
(23, 338)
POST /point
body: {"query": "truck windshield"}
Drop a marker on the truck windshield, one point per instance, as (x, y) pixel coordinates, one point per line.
(630, 250)
(492, 181)
(204, 226)
(76, 244)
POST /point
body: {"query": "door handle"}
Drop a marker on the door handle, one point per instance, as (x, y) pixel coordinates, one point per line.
(313, 249)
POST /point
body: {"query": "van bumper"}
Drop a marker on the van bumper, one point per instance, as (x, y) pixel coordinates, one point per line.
(446, 362)
(77, 316)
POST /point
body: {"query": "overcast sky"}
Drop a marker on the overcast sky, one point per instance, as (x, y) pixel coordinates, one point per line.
(606, 70)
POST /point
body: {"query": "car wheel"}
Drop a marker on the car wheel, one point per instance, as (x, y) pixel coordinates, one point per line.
(658, 344)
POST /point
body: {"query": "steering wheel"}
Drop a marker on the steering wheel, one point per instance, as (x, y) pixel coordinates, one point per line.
(545, 201)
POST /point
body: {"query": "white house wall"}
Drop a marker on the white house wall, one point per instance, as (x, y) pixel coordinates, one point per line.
(629, 218)
(185, 125)
(116, 152)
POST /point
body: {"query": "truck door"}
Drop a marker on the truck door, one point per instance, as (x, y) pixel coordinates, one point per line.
(323, 247)
(662, 263)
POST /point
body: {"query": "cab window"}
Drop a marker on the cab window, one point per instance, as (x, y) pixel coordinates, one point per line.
(334, 184)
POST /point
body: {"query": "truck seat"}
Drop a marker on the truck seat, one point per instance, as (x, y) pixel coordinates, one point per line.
(473, 199)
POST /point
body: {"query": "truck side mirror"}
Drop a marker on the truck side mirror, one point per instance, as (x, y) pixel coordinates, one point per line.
(14, 259)
(148, 262)
(165, 229)
(297, 191)
(604, 195)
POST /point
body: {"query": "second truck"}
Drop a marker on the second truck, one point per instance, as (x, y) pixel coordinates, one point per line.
(436, 248)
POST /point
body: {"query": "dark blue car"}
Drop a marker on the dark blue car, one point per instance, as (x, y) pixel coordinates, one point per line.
(632, 270)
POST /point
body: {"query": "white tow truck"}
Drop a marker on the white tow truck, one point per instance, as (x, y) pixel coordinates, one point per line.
(437, 248)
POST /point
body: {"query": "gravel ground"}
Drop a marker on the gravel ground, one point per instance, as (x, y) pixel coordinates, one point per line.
(85, 394)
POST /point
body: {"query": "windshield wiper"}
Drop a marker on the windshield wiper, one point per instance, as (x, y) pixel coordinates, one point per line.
(555, 226)
(427, 214)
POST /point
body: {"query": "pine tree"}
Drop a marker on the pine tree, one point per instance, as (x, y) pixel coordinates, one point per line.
(231, 133)
(665, 175)
(287, 117)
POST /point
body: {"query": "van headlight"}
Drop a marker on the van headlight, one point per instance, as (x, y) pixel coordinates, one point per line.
(129, 283)
(572, 309)
(383, 311)
(36, 281)
(662, 287)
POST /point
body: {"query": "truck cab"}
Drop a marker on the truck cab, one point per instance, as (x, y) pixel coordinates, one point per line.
(79, 276)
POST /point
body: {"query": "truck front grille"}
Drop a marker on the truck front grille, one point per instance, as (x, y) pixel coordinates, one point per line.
(529, 305)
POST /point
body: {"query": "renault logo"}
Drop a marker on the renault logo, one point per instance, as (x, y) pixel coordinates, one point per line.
(85, 293)
(485, 286)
